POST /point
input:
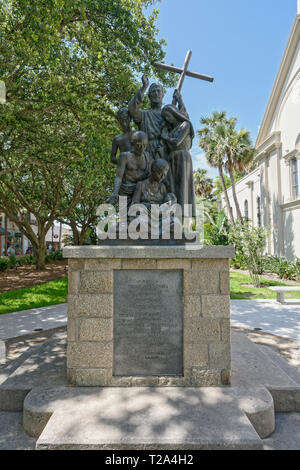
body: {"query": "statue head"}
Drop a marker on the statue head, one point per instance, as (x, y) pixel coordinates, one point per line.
(139, 142)
(172, 116)
(159, 170)
(156, 94)
(124, 118)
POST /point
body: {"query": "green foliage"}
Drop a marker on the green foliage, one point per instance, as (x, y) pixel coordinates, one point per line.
(13, 262)
(218, 188)
(217, 231)
(203, 184)
(239, 261)
(250, 242)
(284, 268)
(42, 295)
(67, 65)
(241, 288)
(4, 264)
(227, 149)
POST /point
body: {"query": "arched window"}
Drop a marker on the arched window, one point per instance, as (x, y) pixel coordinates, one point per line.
(246, 211)
(294, 170)
(258, 211)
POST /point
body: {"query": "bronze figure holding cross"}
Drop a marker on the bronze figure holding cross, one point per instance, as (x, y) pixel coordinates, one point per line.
(170, 132)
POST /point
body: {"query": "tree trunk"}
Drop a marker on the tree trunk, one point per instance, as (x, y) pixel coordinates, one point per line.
(40, 253)
(75, 233)
(226, 195)
(83, 234)
(39, 248)
(236, 202)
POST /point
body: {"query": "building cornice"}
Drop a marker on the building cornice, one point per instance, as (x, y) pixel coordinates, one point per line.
(279, 81)
(254, 174)
(273, 142)
(295, 204)
(291, 155)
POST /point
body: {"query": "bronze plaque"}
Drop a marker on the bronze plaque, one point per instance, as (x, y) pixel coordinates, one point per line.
(148, 322)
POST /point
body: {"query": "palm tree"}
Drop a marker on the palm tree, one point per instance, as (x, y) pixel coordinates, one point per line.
(235, 152)
(211, 142)
(203, 184)
(239, 153)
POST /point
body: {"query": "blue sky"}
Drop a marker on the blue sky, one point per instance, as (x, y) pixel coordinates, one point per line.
(239, 42)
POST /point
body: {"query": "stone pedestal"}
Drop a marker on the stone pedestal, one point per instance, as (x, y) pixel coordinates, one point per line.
(149, 316)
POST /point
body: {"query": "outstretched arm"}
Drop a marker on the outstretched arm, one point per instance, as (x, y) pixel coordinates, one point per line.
(135, 103)
(177, 99)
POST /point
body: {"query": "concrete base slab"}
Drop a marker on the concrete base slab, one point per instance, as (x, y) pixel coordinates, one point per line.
(260, 387)
(252, 367)
(45, 365)
(292, 371)
(150, 418)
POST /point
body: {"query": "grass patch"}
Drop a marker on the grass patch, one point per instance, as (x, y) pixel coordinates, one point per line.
(55, 292)
(42, 295)
(240, 291)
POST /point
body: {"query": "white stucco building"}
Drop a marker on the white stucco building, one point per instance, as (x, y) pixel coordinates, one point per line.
(270, 195)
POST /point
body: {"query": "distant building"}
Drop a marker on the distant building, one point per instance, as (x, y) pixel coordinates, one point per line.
(10, 236)
(270, 195)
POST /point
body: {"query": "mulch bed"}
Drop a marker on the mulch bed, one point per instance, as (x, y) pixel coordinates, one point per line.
(26, 276)
(269, 276)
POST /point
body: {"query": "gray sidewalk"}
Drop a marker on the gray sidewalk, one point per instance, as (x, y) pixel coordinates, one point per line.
(269, 315)
(27, 321)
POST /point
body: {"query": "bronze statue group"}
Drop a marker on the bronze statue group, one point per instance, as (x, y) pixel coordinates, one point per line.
(154, 165)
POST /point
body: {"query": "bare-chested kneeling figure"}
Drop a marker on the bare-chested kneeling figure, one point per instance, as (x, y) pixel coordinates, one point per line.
(132, 167)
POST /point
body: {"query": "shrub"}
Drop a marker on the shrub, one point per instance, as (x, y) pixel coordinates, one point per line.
(13, 262)
(284, 268)
(4, 264)
(216, 231)
(58, 255)
(239, 261)
(250, 244)
(297, 266)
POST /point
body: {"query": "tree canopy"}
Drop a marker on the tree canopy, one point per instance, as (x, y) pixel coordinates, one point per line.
(67, 66)
(227, 149)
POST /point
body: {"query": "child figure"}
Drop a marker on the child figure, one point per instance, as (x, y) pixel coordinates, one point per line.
(133, 166)
(122, 142)
(153, 190)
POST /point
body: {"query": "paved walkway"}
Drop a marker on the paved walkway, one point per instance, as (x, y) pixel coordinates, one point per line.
(27, 321)
(269, 315)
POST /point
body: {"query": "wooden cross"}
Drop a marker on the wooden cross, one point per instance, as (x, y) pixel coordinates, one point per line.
(184, 71)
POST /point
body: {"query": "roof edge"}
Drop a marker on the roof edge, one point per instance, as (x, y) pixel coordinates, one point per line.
(279, 81)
